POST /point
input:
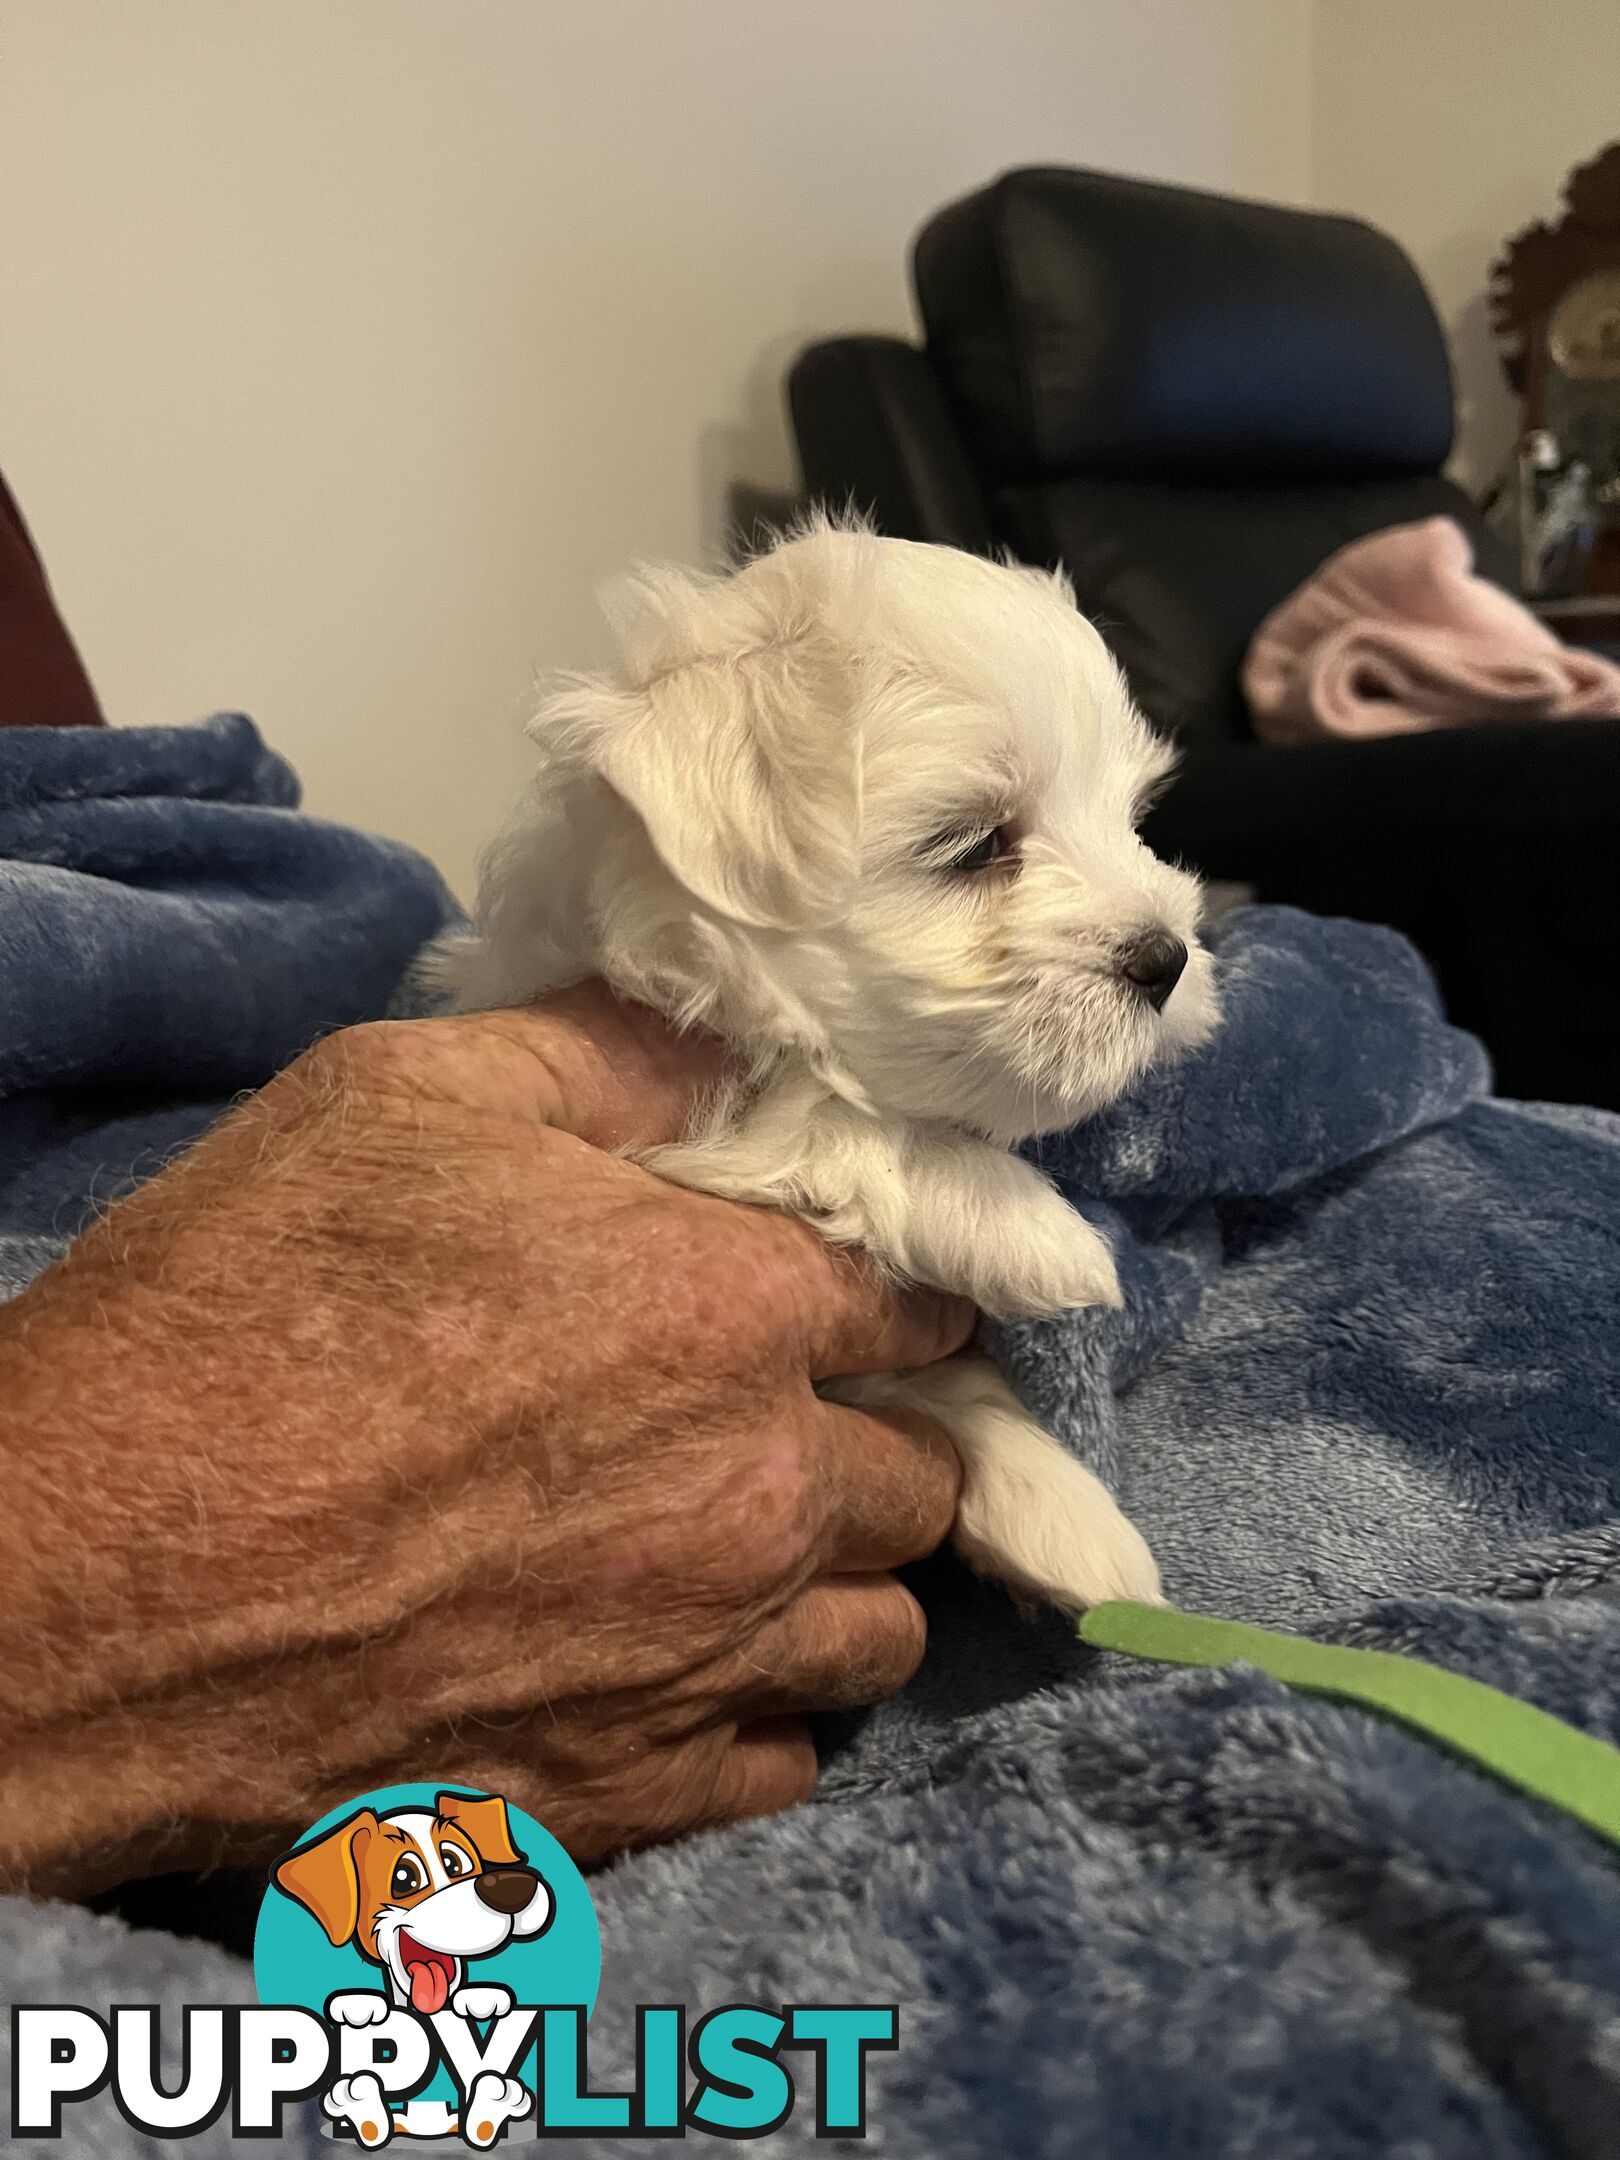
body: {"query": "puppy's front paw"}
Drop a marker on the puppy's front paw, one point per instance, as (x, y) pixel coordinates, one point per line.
(493, 2102)
(358, 2009)
(1056, 1263)
(1085, 1273)
(1030, 1516)
(359, 2102)
(489, 2001)
(1059, 1537)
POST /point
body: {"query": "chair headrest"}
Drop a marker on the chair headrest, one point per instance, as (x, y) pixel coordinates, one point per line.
(1081, 323)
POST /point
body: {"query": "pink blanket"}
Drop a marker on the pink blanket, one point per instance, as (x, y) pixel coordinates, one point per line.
(1395, 634)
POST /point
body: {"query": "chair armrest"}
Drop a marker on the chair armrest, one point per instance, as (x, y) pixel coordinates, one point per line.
(874, 433)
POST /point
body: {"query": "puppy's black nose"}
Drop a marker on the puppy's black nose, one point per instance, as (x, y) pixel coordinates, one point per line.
(1154, 963)
(506, 1889)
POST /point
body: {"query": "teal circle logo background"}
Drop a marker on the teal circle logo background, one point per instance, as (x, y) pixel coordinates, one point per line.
(294, 1963)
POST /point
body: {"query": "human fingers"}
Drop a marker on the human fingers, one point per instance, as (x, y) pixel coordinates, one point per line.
(702, 1781)
(844, 1642)
(855, 1319)
(623, 1076)
(890, 1481)
(614, 1074)
(770, 1765)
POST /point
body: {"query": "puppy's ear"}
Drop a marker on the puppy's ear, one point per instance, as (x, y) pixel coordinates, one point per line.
(325, 1877)
(486, 1822)
(734, 739)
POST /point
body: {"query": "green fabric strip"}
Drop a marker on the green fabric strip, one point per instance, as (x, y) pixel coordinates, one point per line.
(1520, 1744)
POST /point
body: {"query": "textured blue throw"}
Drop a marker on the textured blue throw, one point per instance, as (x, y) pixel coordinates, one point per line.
(1366, 1384)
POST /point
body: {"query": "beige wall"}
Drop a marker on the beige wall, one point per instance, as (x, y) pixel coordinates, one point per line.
(347, 345)
(1452, 123)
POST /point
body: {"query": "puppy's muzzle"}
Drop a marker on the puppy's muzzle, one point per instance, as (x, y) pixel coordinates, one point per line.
(506, 1889)
(1154, 965)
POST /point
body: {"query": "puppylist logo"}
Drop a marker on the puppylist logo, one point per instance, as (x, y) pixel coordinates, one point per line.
(426, 1963)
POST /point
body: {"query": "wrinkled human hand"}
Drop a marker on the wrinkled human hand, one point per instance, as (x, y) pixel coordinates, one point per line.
(404, 1429)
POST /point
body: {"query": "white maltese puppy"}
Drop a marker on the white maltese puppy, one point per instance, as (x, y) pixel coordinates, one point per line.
(867, 809)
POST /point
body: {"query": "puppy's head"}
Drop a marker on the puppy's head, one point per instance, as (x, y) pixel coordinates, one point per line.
(420, 1891)
(877, 802)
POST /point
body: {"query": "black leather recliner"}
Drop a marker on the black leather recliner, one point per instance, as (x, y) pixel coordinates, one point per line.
(1189, 402)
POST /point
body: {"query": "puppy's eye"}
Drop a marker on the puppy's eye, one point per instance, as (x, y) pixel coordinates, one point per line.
(408, 1877)
(968, 853)
(456, 1863)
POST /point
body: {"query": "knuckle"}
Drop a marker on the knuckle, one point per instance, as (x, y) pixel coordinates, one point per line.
(371, 1055)
(753, 1521)
(725, 1289)
(760, 1313)
(322, 1078)
(777, 1256)
(371, 1078)
(740, 1295)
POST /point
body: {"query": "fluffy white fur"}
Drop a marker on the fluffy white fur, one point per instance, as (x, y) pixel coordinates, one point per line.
(752, 822)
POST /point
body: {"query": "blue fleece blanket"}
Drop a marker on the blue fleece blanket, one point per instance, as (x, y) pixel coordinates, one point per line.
(1366, 1384)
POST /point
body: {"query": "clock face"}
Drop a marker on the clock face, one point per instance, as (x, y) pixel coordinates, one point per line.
(1583, 332)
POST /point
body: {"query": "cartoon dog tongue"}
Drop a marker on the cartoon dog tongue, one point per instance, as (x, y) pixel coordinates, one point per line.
(430, 1984)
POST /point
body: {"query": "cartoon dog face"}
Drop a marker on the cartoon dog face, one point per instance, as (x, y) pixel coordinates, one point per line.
(420, 1892)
